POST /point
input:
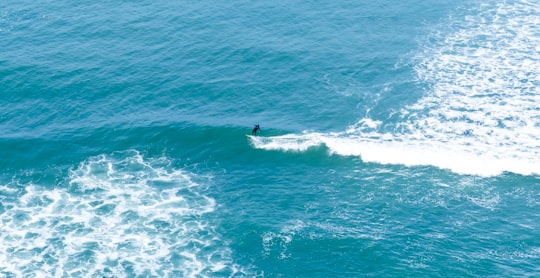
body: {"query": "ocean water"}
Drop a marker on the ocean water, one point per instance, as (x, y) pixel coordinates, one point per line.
(398, 139)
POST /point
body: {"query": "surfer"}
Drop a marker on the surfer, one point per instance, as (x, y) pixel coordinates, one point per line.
(255, 129)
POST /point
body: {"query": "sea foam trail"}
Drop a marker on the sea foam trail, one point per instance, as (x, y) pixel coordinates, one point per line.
(121, 216)
(480, 114)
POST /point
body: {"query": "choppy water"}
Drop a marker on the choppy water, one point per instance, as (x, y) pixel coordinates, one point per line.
(398, 139)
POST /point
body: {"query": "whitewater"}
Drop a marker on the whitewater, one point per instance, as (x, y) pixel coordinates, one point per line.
(479, 114)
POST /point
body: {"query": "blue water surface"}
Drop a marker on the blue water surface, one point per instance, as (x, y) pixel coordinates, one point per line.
(123, 150)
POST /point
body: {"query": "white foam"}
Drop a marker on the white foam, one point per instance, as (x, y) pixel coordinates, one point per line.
(280, 241)
(276, 244)
(113, 221)
(480, 115)
(289, 142)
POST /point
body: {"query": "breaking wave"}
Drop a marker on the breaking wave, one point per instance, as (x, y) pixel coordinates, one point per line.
(480, 114)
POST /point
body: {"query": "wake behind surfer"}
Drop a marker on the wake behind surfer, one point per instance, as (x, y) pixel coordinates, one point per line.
(255, 129)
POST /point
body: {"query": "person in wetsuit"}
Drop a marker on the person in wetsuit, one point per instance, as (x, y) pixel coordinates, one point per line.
(255, 129)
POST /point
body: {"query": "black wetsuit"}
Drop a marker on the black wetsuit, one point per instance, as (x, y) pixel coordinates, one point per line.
(254, 131)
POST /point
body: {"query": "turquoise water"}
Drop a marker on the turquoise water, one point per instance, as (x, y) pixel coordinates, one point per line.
(398, 139)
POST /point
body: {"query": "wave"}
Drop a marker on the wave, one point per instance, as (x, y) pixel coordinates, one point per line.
(480, 114)
(121, 215)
